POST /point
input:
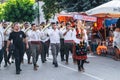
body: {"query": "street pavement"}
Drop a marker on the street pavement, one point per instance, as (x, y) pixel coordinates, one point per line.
(99, 68)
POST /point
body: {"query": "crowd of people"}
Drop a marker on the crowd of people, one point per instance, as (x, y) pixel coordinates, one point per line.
(63, 38)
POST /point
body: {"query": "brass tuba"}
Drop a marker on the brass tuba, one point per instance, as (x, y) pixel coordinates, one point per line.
(46, 26)
(43, 37)
(8, 27)
(25, 31)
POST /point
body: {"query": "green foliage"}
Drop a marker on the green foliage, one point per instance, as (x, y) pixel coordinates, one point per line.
(80, 5)
(1, 11)
(54, 6)
(19, 10)
(50, 7)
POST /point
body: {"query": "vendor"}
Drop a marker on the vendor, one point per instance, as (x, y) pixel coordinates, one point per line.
(116, 43)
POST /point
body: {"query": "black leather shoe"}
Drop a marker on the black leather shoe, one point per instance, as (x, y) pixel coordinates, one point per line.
(20, 69)
(35, 68)
(29, 62)
(66, 63)
(56, 65)
(87, 62)
(5, 65)
(63, 60)
(37, 65)
(53, 63)
(43, 61)
(18, 72)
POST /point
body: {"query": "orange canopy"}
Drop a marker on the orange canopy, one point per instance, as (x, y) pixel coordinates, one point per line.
(64, 18)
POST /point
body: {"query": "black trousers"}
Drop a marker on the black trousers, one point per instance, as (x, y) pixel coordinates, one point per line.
(28, 51)
(18, 54)
(62, 48)
(47, 43)
(11, 50)
(5, 52)
(68, 47)
(45, 50)
(80, 63)
(1, 55)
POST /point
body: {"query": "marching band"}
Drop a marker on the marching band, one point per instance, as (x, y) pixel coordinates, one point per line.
(35, 41)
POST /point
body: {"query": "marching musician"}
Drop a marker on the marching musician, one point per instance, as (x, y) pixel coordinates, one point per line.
(6, 36)
(27, 31)
(1, 44)
(62, 48)
(11, 49)
(35, 45)
(68, 34)
(54, 35)
(45, 40)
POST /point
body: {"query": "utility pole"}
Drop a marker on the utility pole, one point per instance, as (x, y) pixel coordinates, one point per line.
(38, 15)
(2, 1)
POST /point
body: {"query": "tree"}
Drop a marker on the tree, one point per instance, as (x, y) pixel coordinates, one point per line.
(81, 5)
(54, 6)
(2, 11)
(19, 10)
(50, 7)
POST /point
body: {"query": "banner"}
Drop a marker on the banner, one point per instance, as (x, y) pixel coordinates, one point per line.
(86, 18)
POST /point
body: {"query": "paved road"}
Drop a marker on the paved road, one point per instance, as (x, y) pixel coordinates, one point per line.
(99, 68)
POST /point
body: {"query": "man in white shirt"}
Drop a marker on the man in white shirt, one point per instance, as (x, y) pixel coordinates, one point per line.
(1, 45)
(27, 30)
(62, 48)
(54, 35)
(45, 44)
(35, 45)
(69, 35)
(6, 36)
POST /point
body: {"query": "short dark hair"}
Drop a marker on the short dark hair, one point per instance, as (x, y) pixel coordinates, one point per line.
(15, 24)
(26, 23)
(32, 24)
(53, 23)
(67, 23)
